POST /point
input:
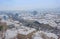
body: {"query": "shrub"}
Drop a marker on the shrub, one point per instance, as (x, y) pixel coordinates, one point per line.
(1, 27)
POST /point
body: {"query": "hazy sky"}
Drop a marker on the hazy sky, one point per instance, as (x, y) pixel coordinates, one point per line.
(28, 4)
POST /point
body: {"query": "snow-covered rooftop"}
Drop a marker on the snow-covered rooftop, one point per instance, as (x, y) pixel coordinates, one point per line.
(25, 30)
(10, 34)
(16, 21)
(44, 35)
(50, 22)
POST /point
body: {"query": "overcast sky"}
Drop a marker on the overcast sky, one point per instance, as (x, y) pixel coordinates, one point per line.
(28, 4)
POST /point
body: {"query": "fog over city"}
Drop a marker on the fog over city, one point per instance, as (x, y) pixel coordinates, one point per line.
(29, 19)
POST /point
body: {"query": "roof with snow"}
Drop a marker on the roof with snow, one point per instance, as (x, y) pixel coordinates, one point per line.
(25, 30)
